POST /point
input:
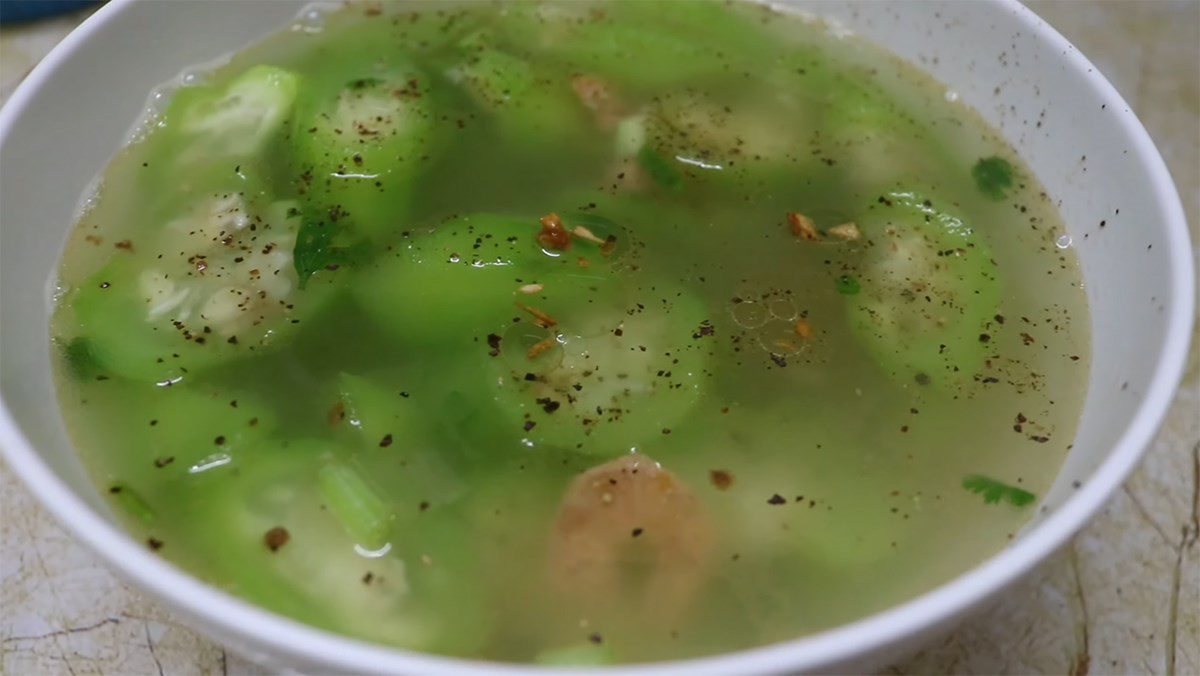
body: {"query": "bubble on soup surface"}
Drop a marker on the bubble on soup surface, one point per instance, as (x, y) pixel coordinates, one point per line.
(782, 308)
(780, 337)
(749, 314)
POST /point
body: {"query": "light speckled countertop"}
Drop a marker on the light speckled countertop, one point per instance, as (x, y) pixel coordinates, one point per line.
(1124, 597)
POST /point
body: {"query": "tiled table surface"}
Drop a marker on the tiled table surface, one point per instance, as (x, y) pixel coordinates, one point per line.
(1124, 597)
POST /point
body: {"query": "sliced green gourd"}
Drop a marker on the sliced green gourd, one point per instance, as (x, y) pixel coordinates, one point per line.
(529, 107)
(359, 147)
(874, 137)
(146, 435)
(377, 413)
(364, 515)
(206, 123)
(212, 284)
(928, 288)
(395, 593)
(626, 362)
(462, 280)
(450, 283)
(185, 425)
(703, 131)
(391, 430)
(647, 45)
(690, 139)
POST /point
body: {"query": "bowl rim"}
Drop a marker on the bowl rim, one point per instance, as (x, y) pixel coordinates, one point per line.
(274, 634)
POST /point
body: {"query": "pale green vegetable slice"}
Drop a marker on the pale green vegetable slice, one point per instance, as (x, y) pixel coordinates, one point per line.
(211, 285)
(359, 149)
(364, 515)
(236, 121)
(927, 291)
(527, 106)
(626, 368)
(464, 279)
(283, 544)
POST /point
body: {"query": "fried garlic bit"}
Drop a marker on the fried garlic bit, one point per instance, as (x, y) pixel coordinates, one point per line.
(540, 318)
(631, 513)
(802, 226)
(847, 232)
(583, 233)
(803, 330)
(553, 234)
(540, 347)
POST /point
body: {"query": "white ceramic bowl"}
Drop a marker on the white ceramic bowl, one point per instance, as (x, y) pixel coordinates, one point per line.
(1068, 123)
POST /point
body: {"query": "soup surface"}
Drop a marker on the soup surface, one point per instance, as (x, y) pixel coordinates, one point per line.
(571, 333)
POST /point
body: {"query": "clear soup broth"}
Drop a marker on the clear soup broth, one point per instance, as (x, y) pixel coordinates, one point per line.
(573, 333)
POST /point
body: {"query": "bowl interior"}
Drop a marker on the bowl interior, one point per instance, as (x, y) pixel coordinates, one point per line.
(1069, 125)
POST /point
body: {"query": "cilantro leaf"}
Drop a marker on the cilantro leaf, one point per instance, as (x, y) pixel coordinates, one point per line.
(314, 241)
(847, 285)
(993, 175)
(319, 247)
(994, 491)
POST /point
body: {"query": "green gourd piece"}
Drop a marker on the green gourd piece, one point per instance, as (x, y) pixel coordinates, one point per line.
(177, 431)
(626, 41)
(213, 284)
(395, 593)
(390, 429)
(529, 108)
(359, 148)
(875, 134)
(206, 123)
(463, 279)
(626, 364)
(928, 288)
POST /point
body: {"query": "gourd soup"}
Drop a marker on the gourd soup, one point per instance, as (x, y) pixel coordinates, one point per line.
(569, 333)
